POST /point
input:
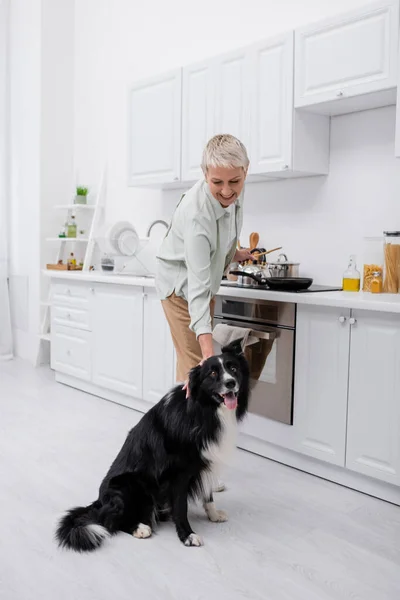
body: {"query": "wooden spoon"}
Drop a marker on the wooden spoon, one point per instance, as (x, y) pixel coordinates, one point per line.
(254, 239)
(267, 252)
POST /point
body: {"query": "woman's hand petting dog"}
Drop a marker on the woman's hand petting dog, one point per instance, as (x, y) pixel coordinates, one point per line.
(185, 386)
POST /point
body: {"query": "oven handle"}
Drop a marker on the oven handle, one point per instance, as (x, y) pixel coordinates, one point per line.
(258, 333)
(262, 335)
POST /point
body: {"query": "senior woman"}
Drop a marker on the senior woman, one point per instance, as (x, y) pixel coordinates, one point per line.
(198, 247)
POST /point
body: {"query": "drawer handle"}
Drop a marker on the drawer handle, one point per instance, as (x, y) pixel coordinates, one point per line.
(342, 319)
(352, 321)
(340, 94)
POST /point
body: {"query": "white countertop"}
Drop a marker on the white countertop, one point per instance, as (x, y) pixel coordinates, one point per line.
(358, 300)
(99, 277)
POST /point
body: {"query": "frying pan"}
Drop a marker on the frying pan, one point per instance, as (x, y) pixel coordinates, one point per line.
(289, 284)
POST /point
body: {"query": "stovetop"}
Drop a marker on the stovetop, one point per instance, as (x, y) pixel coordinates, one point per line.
(312, 288)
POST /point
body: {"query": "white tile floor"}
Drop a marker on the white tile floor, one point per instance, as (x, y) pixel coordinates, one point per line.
(290, 536)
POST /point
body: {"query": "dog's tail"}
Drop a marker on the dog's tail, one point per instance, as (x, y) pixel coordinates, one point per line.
(80, 530)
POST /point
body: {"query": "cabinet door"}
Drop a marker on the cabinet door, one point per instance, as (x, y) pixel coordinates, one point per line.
(70, 351)
(158, 350)
(272, 105)
(232, 94)
(373, 433)
(155, 130)
(198, 116)
(118, 338)
(349, 55)
(320, 400)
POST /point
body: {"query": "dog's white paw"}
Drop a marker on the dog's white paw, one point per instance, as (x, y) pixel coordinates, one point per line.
(142, 531)
(193, 540)
(217, 516)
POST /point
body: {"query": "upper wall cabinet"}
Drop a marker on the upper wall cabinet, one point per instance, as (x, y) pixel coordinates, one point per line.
(198, 117)
(283, 143)
(233, 94)
(249, 93)
(348, 63)
(215, 99)
(154, 143)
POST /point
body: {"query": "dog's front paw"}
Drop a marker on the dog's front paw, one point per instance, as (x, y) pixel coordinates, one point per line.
(193, 540)
(142, 531)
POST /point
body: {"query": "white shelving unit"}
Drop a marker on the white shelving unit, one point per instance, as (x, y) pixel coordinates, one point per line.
(89, 240)
(66, 239)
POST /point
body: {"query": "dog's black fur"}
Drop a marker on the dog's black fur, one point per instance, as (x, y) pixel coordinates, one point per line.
(163, 460)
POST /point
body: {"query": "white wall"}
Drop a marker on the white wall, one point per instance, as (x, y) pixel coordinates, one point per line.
(41, 140)
(25, 96)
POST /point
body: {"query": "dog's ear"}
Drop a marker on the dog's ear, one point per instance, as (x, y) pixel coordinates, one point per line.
(234, 347)
(194, 380)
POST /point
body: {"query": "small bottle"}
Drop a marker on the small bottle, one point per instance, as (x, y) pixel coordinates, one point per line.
(72, 260)
(376, 282)
(71, 233)
(351, 277)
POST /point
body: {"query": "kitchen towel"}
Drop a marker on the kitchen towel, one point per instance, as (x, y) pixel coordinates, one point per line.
(225, 334)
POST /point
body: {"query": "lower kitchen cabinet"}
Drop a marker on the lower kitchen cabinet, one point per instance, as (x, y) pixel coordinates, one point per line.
(158, 350)
(126, 346)
(373, 430)
(70, 351)
(321, 373)
(117, 357)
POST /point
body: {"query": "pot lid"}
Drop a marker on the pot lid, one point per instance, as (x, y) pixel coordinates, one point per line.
(282, 260)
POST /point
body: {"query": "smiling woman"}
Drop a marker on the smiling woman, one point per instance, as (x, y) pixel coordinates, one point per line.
(198, 247)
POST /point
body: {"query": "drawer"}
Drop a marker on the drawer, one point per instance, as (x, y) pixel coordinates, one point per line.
(71, 294)
(69, 316)
(70, 352)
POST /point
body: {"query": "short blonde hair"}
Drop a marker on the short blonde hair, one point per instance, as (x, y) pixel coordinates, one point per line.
(224, 150)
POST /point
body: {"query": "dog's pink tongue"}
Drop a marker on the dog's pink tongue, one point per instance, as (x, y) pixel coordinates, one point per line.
(230, 401)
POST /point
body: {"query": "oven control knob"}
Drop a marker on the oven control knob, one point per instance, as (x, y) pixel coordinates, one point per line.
(342, 319)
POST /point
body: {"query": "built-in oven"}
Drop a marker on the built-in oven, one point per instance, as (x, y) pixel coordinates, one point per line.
(270, 356)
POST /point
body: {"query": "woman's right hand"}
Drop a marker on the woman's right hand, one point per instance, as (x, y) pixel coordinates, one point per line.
(185, 386)
(242, 255)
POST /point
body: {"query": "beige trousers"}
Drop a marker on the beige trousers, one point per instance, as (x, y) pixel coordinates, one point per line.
(188, 352)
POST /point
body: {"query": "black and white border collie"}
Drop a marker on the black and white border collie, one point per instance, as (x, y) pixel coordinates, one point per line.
(173, 454)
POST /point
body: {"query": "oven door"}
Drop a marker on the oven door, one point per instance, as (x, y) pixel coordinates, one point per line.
(271, 364)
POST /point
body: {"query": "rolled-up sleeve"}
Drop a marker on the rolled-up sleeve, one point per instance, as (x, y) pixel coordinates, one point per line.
(198, 263)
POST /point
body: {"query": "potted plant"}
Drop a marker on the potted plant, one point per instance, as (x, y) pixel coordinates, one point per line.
(81, 195)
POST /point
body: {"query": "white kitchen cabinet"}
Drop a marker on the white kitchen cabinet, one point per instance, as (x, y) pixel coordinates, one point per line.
(272, 105)
(373, 431)
(158, 349)
(70, 351)
(349, 62)
(154, 140)
(198, 115)
(321, 375)
(284, 143)
(232, 76)
(117, 338)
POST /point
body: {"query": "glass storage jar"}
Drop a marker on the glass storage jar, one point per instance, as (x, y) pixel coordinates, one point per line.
(391, 250)
(372, 260)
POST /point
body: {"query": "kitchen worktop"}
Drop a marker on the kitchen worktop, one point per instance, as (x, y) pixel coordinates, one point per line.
(389, 303)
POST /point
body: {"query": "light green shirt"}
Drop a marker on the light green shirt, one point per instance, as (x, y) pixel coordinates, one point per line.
(194, 255)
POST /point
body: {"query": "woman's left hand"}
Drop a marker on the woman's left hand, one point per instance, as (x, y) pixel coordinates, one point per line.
(242, 255)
